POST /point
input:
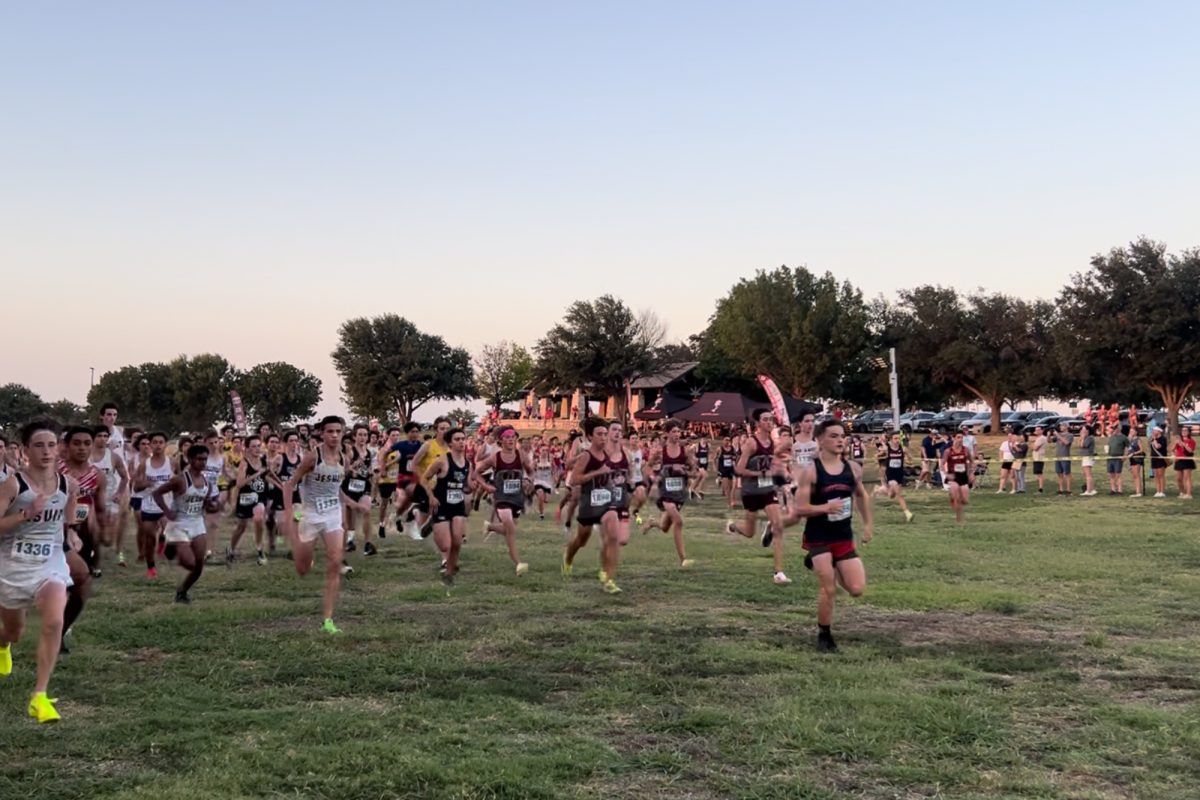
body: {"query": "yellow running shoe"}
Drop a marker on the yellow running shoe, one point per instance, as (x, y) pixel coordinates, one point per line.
(42, 708)
(5, 661)
(522, 568)
(687, 563)
(611, 587)
(566, 566)
(602, 575)
(329, 627)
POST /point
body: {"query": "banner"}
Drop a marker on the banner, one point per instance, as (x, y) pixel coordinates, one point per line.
(776, 398)
(239, 415)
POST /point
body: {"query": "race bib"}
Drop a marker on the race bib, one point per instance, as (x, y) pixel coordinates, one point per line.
(193, 506)
(356, 485)
(408, 465)
(765, 482)
(618, 494)
(673, 484)
(326, 503)
(895, 463)
(511, 486)
(32, 551)
(601, 497)
(81, 512)
(727, 463)
(454, 496)
(248, 499)
(960, 467)
(838, 516)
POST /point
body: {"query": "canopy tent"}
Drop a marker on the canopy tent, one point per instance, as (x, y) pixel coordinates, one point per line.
(724, 407)
(666, 405)
(797, 408)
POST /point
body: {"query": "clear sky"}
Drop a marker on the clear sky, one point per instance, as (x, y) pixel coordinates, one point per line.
(241, 177)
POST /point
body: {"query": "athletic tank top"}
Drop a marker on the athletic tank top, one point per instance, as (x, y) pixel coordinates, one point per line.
(595, 495)
(255, 487)
(38, 542)
(190, 505)
(85, 500)
(543, 470)
(507, 481)
(214, 468)
(727, 459)
(759, 461)
(157, 476)
(451, 488)
(835, 526)
(672, 476)
(436, 450)
(111, 480)
(619, 479)
(635, 465)
(956, 463)
(702, 456)
(895, 458)
(804, 452)
(320, 488)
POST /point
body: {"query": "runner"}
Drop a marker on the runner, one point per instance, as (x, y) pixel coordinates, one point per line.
(387, 475)
(621, 481)
(152, 470)
(758, 469)
(406, 481)
(116, 483)
(674, 464)
(957, 468)
(356, 490)
(826, 494)
(451, 475)
(543, 478)
(894, 474)
(82, 545)
(289, 462)
(590, 474)
(34, 504)
(700, 453)
(274, 495)
(320, 476)
(117, 438)
(640, 487)
(431, 450)
(577, 444)
(214, 472)
(250, 503)
(194, 495)
(727, 459)
(508, 470)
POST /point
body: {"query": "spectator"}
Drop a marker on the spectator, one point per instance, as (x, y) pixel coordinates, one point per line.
(1006, 465)
(1087, 455)
(1118, 445)
(1020, 448)
(929, 458)
(1137, 457)
(1039, 456)
(1062, 458)
(1158, 461)
(1185, 461)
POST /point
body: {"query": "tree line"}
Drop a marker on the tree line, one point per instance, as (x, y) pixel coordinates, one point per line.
(1126, 329)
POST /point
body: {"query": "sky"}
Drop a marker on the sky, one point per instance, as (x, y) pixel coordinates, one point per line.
(242, 177)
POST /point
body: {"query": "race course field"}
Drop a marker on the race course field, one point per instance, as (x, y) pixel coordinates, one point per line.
(1047, 650)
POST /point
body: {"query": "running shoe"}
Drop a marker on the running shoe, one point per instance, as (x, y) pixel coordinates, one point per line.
(369, 549)
(825, 643)
(781, 579)
(447, 580)
(329, 627)
(687, 563)
(229, 556)
(121, 560)
(262, 559)
(382, 533)
(566, 567)
(346, 568)
(908, 516)
(766, 537)
(42, 708)
(442, 568)
(152, 573)
(610, 587)
(183, 599)
(602, 575)
(566, 529)
(350, 545)
(731, 530)
(5, 661)
(522, 568)
(638, 519)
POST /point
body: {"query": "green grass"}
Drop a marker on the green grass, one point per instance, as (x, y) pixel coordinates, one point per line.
(1047, 650)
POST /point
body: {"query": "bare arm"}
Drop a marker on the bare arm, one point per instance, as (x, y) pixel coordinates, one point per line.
(176, 484)
(863, 500)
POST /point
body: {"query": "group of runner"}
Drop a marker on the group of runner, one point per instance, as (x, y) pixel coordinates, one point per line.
(65, 497)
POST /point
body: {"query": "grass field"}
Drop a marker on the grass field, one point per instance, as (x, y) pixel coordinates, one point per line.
(1047, 650)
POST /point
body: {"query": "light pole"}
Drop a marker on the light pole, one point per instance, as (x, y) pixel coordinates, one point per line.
(894, 380)
(92, 384)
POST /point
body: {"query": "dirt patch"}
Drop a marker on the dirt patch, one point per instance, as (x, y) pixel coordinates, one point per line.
(917, 628)
(147, 655)
(1143, 685)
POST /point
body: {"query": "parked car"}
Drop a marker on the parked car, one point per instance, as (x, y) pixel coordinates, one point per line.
(1018, 421)
(870, 421)
(948, 421)
(982, 422)
(911, 421)
(1047, 423)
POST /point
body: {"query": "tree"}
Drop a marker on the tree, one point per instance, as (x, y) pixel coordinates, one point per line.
(145, 394)
(388, 365)
(66, 412)
(279, 393)
(992, 347)
(18, 405)
(462, 417)
(502, 371)
(806, 332)
(1132, 321)
(201, 387)
(601, 344)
